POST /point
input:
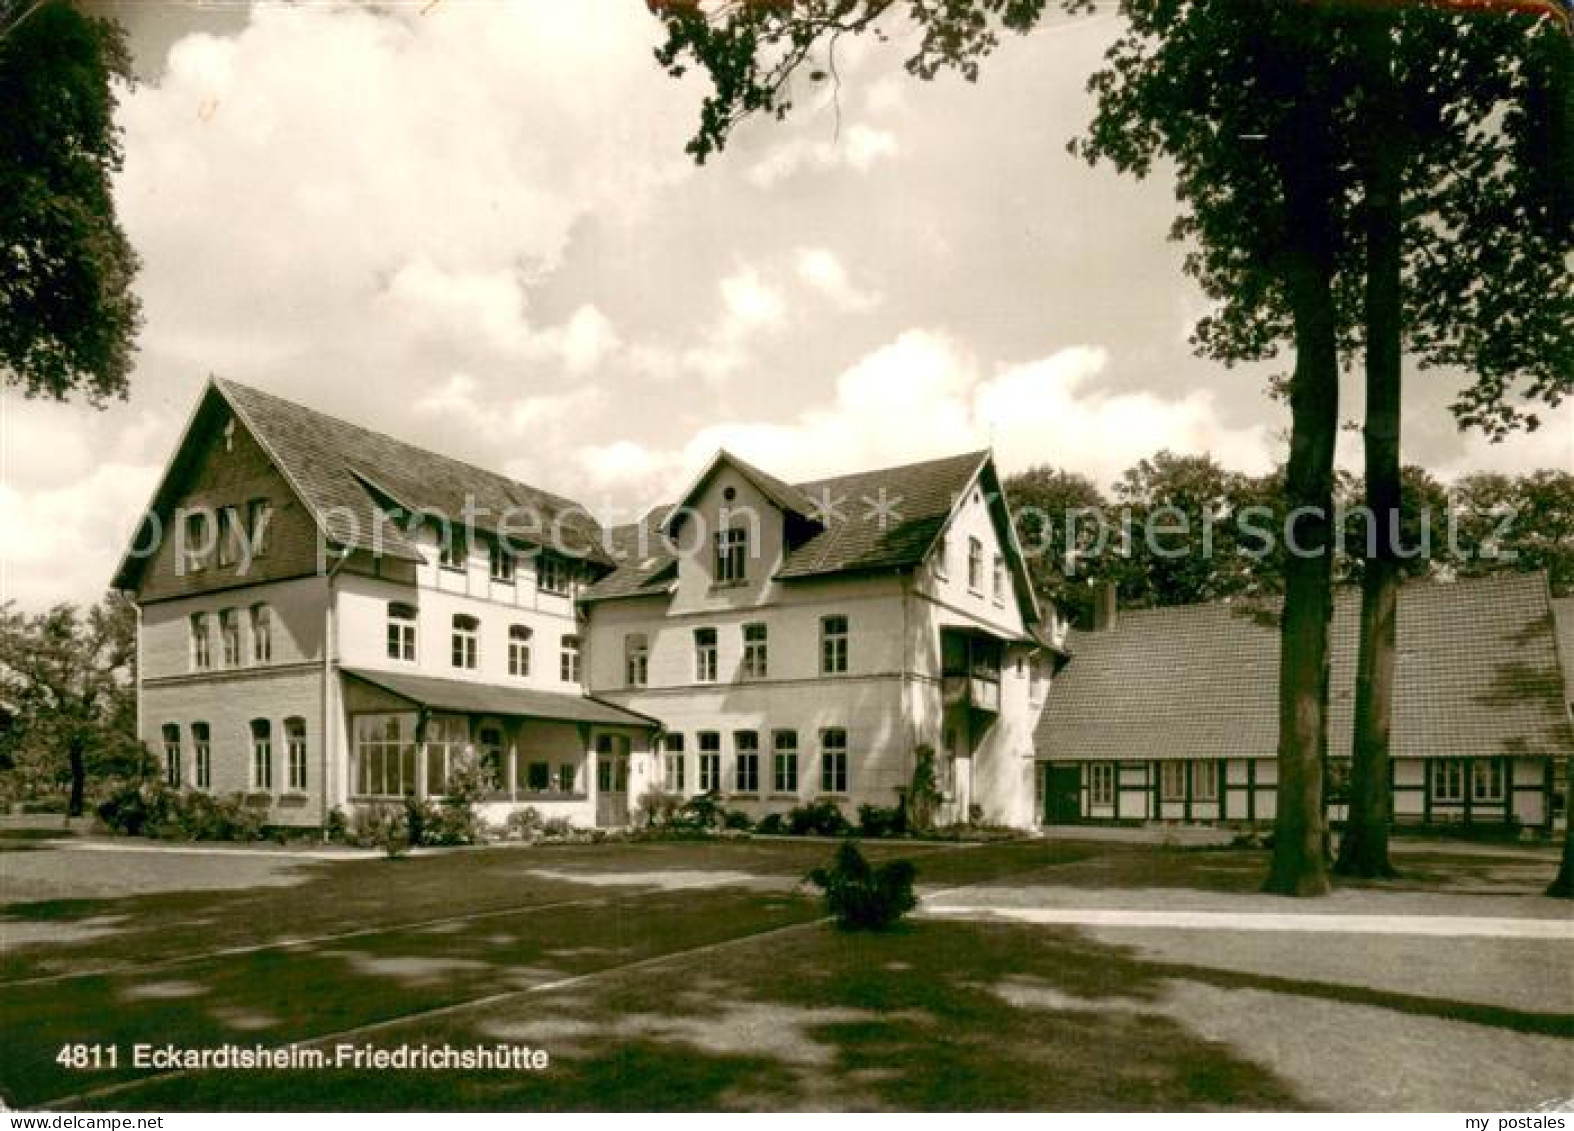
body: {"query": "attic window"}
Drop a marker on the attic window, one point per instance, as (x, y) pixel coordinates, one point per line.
(229, 435)
(729, 493)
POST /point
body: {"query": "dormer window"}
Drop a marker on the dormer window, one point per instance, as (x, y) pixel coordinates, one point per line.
(552, 574)
(502, 559)
(732, 552)
(455, 553)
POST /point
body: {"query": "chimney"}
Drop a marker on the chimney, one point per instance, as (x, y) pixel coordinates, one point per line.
(1105, 607)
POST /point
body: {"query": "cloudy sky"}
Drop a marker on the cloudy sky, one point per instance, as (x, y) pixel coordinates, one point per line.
(472, 225)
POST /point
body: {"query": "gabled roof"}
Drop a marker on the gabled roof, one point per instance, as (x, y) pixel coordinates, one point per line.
(785, 496)
(339, 471)
(331, 460)
(871, 520)
(1476, 673)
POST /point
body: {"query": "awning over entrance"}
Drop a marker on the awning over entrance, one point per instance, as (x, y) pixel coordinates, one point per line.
(489, 699)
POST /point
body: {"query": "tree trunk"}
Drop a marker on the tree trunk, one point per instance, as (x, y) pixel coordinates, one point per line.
(78, 763)
(1563, 886)
(1299, 865)
(1363, 850)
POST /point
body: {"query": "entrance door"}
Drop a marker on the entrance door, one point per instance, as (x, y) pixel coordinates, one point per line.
(612, 781)
(1063, 795)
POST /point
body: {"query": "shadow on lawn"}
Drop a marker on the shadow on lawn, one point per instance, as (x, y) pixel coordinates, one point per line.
(936, 1016)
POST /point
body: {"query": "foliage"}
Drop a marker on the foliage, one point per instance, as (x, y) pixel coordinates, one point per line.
(818, 818)
(523, 824)
(658, 808)
(702, 811)
(71, 679)
(865, 898)
(737, 820)
(336, 830)
(152, 809)
(381, 824)
(878, 821)
(68, 314)
(772, 824)
(922, 798)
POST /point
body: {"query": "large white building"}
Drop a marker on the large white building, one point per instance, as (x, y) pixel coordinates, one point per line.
(331, 617)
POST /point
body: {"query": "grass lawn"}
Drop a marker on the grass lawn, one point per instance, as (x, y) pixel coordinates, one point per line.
(703, 978)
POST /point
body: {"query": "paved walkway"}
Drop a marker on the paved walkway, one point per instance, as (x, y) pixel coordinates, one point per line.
(1439, 926)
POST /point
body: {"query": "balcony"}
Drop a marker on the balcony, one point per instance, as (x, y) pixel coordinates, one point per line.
(970, 670)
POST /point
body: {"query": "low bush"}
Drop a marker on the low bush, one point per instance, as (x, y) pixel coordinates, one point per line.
(772, 824)
(875, 821)
(737, 820)
(865, 898)
(151, 809)
(702, 811)
(818, 818)
(658, 808)
(336, 829)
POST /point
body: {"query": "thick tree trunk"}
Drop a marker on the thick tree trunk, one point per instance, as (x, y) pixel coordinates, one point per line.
(78, 764)
(1299, 865)
(1563, 886)
(1363, 850)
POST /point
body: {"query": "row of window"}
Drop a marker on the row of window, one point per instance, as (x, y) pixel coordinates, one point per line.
(553, 573)
(1173, 778)
(756, 652)
(1483, 783)
(260, 735)
(465, 643)
(227, 548)
(1449, 781)
(975, 568)
(746, 766)
(233, 655)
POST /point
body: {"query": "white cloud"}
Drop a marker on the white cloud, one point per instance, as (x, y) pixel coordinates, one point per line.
(820, 269)
(922, 396)
(858, 148)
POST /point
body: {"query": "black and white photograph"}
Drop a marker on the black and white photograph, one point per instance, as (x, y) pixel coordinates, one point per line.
(858, 556)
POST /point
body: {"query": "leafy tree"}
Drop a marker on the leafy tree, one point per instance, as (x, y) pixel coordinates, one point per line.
(70, 679)
(1055, 514)
(1287, 205)
(68, 317)
(1519, 523)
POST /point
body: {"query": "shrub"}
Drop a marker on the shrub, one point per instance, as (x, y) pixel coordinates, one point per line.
(133, 809)
(382, 825)
(523, 824)
(557, 828)
(336, 828)
(874, 821)
(772, 824)
(703, 811)
(922, 798)
(818, 818)
(152, 809)
(658, 808)
(865, 898)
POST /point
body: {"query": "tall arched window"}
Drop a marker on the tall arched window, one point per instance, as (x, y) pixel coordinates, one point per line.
(261, 755)
(202, 754)
(172, 769)
(295, 751)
